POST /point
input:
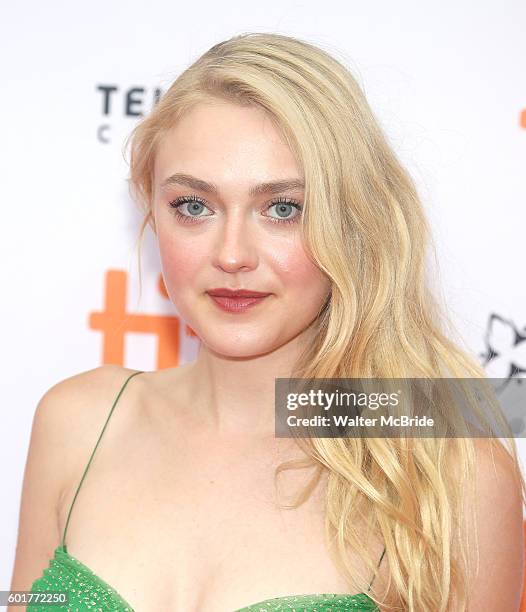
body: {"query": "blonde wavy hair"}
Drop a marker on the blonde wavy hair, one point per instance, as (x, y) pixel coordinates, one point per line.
(364, 225)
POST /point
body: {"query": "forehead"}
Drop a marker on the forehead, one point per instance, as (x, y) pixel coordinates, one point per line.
(222, 141)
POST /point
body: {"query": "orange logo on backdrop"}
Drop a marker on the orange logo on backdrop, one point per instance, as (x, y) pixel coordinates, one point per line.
(115, 322)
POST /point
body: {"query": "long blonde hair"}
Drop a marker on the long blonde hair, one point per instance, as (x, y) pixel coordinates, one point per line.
(364, 226)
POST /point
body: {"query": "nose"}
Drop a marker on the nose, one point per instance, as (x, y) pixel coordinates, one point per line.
(235, 248)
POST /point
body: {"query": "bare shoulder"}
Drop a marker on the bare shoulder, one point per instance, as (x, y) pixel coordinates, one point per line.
(498, 535)
(77, 392)
(64, 422)
(74, 410)
(73, 407)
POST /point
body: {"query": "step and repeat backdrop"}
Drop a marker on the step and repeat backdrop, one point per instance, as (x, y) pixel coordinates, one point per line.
(447, 82)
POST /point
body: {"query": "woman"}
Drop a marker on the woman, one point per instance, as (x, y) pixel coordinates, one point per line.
(263, 169)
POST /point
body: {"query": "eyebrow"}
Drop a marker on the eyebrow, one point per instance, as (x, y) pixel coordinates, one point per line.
(266, 187)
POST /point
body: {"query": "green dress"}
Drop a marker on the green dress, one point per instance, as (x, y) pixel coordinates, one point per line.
(89, 592)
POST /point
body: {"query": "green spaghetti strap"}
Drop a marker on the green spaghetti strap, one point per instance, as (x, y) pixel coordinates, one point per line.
(379, 562)
(63, 544)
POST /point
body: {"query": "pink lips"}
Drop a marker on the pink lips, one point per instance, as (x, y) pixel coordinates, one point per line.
(236, 300)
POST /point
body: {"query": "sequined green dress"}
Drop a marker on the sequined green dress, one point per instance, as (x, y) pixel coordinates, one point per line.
(87, 591)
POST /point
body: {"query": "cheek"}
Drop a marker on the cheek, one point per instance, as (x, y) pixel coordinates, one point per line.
(181, 259)
(298, 272)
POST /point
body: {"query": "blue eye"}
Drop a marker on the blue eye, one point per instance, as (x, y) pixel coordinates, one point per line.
(285, 206)
(196, 205)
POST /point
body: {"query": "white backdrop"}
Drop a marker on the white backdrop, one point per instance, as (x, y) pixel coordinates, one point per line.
(446, 81)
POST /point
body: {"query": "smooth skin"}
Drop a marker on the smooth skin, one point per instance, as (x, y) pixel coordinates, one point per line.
(180, 496)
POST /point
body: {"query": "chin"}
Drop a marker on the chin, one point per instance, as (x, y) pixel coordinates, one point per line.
(232, 346)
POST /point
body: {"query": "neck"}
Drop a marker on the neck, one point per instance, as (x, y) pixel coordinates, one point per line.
(236, 395)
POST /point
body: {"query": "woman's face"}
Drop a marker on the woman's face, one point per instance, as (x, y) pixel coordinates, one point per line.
(225, 233)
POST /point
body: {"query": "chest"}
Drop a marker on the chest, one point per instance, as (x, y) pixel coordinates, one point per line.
(197, 526)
